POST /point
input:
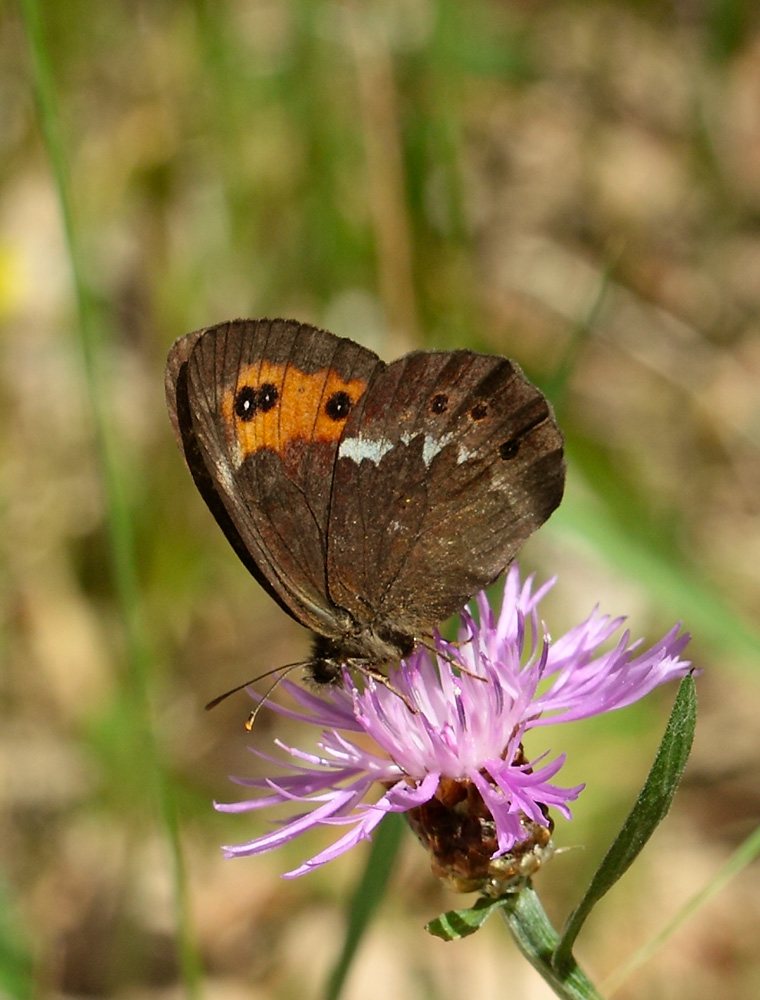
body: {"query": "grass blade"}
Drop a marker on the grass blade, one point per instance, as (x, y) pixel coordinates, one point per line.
(367, 897)
(92, 342)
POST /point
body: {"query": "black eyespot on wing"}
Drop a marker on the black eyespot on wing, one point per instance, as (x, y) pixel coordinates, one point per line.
(267, 397)
(508, 449)
(338, 406)
(439, 403)
(246, 403)
(479, 411)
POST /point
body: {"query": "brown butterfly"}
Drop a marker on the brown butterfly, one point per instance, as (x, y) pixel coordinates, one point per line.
(370, 500)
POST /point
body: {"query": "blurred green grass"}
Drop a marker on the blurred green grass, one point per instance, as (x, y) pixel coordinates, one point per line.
(573, 185)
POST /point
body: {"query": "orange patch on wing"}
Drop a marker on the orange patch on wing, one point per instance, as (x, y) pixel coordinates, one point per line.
(299, 412)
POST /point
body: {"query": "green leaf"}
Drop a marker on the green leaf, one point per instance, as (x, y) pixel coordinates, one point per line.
(649, 810)
(456, 924)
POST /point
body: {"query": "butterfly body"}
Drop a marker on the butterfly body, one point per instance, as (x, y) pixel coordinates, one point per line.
(370, 500)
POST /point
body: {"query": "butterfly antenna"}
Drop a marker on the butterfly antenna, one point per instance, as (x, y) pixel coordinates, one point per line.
(267, 673)
(249, 722)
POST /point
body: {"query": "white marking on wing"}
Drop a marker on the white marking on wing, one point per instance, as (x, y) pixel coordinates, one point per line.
(431, 445)
(360, 448)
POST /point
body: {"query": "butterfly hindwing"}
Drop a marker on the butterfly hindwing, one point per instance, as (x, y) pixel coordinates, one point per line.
(446, 466)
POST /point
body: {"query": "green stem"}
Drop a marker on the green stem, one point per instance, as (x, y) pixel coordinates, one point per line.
(537, 940)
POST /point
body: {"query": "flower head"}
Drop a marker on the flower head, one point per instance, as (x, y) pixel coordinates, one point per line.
(447, 739)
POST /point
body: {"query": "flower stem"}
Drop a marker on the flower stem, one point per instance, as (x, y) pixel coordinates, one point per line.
(536, 938)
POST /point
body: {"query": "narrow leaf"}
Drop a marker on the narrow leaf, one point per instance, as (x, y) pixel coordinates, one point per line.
(649, 810)
(456, 924)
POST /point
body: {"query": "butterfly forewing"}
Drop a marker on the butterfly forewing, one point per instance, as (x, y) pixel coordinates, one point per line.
(259, 396)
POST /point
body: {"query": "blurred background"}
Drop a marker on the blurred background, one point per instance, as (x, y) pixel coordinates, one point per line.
(573, 184)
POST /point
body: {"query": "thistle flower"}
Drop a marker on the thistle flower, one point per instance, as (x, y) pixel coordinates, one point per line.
(447, 737)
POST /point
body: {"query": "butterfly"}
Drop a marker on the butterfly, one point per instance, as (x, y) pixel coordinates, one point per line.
(370, 500)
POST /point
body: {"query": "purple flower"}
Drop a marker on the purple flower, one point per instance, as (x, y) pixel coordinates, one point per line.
(448, 734)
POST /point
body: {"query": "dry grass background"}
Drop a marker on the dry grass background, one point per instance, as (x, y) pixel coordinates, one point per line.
(576, 185)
